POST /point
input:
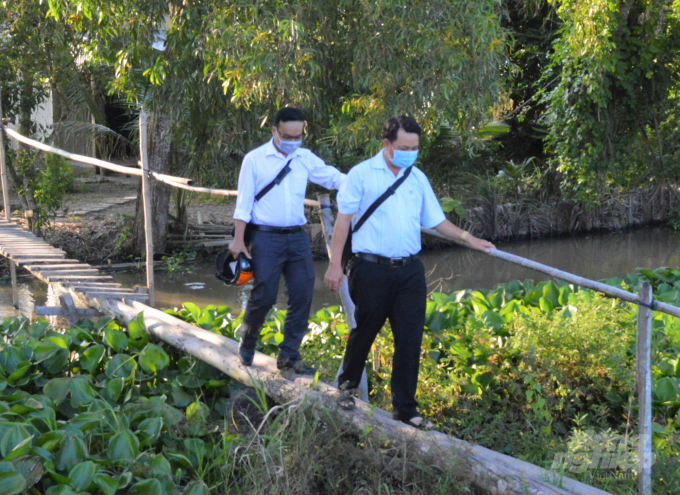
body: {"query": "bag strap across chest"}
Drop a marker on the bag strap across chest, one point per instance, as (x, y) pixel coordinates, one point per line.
(383, 197)
(277, 180)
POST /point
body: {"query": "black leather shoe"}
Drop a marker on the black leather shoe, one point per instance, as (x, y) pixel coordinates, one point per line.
(298, 367)
(246, 355)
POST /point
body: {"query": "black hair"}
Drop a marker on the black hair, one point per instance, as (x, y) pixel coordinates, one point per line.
(288, 114)
(393, 124)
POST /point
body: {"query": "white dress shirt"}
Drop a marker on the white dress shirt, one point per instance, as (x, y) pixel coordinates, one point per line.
(393, 230)
(283, 205)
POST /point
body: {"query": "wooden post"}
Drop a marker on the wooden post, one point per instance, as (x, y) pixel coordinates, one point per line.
(644, 386)
(8, 213)
(148, 212)
(345, 298)
(15, 287)
(3, 167)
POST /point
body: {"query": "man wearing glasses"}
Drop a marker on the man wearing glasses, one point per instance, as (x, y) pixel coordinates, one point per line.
(279, 246)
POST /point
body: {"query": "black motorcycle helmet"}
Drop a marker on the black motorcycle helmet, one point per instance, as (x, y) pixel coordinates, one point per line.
(233, 271)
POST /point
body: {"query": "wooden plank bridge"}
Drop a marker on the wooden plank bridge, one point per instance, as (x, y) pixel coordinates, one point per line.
(49, 264)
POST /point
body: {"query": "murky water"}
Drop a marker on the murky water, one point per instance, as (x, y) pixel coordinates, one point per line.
(596, 257)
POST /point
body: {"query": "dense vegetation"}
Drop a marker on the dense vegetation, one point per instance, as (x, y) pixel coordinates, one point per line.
(99, 409)
(530, 370)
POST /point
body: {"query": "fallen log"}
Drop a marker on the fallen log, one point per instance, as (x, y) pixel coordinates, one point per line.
(496, 473)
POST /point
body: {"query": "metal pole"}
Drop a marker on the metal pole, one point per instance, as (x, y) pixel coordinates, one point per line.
(644, 386)
(146, 195)
(345, 298)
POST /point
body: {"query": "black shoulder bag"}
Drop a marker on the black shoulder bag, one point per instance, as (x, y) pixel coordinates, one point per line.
(347, 250)
(277, 180)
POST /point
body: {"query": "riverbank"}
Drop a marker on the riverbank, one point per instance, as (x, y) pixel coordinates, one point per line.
(95, 223)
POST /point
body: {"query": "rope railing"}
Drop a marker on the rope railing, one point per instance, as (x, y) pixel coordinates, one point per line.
(178, 182)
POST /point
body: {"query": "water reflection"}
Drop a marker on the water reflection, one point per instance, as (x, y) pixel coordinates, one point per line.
(597, 257)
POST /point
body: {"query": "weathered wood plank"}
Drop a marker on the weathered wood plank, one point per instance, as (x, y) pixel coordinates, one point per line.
(33, 261)
(57, 278)
(117, 295)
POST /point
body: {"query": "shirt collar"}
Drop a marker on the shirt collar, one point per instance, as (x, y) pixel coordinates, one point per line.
(272, 151)
(378, 162)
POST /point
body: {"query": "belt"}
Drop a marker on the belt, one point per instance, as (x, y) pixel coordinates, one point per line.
(277, 230)
(383, 260)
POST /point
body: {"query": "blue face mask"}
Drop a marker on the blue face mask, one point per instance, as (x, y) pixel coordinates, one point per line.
(404, 159)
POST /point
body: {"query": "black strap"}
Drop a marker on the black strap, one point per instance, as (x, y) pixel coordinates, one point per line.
(390, 191)
(277, 180)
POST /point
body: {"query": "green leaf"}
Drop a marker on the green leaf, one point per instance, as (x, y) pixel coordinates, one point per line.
(493, 320)
(197, 411)
(147, 487)
(545, 305)
(91, 357)
(106, 483)
(114, 387)
(81, 392)
(153, 359)
(123, 447)
(161, 466)
(12, 483)
(82, 475)
(22, 369)
(194, 310)
(115, 339)
(196, 487)
(72, 452)
(121, 366)
(149, 430)
(666, 389)
(139, 336)
(60, 490)
(57, 389)
(31, 468)
(13, 437)
(20, 450)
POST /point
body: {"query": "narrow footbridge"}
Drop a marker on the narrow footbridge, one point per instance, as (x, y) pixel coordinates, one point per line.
(87, 292)
(50, 265)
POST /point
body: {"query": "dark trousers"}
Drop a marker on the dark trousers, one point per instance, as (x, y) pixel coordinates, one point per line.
(274, 255)
(381, 292)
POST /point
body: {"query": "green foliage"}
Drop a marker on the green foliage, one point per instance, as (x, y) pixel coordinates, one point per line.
(96, 408)
(610, 114)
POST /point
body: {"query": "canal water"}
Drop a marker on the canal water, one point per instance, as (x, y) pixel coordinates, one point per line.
(599, 256)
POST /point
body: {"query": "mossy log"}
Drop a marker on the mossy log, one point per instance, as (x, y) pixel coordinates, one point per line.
(493, 472)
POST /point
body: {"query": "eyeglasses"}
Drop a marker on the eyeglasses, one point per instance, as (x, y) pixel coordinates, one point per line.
(287, 137)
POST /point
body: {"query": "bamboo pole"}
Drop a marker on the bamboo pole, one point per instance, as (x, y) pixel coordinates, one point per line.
(347, 303)
(72, 156)
(178, 182)
(644, 386)
(568, 277)
(3, 167)
(172, 181)
(493, 472)
(146, 195)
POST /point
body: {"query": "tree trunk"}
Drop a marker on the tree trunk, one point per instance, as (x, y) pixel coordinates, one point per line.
(160, 160)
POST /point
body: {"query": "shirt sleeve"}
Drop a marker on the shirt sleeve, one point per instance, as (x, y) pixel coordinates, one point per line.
(246, 191)
(350, 194)
(324, 175)
(431, 213)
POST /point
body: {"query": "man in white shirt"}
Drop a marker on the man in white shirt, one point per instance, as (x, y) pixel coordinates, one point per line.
(279, 245)
(387, 280)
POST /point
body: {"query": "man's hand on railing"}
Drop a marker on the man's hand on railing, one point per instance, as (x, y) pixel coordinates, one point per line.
(479, 244)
